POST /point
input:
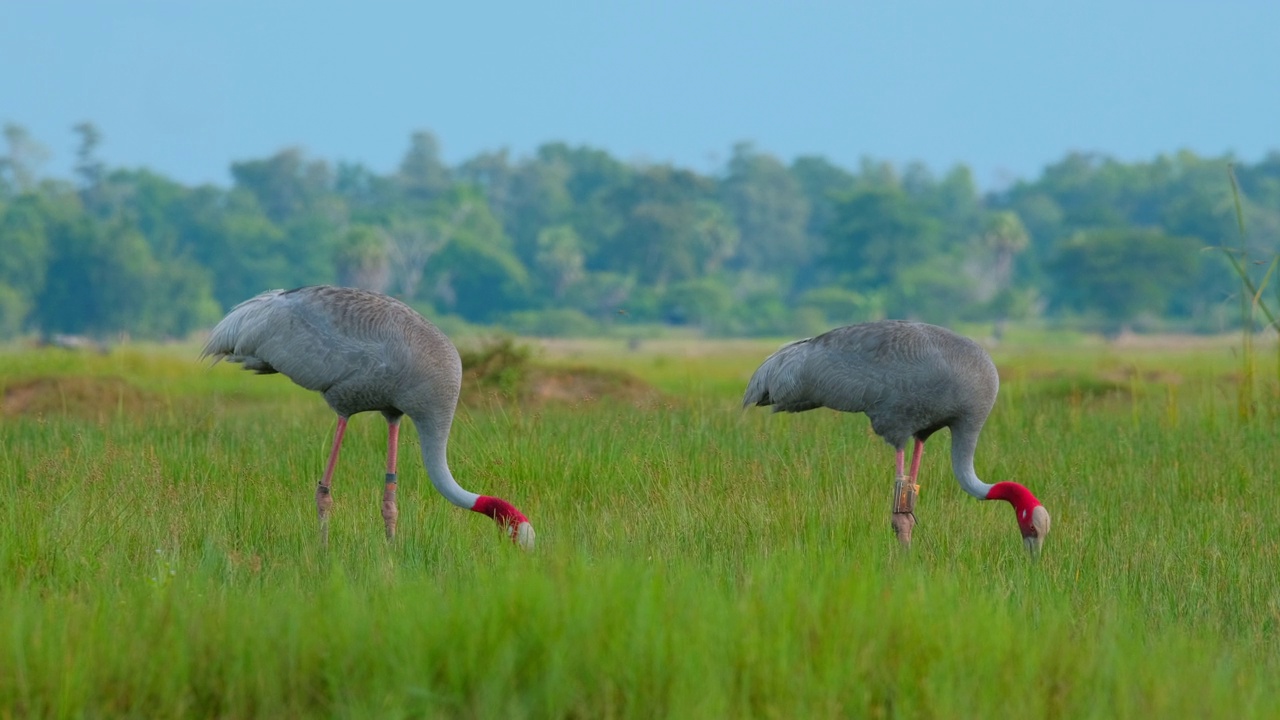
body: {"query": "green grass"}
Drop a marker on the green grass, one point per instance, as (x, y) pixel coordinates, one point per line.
(159, 553)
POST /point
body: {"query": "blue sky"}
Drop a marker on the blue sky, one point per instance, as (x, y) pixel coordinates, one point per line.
(187, 87)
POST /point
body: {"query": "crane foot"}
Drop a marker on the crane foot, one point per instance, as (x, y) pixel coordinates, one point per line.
(324, 503)
(903, 523)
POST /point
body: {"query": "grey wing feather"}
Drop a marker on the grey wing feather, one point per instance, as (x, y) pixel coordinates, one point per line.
(845, 369)
(280, 331)
(236, 335)
(781, 380)
(909, 378)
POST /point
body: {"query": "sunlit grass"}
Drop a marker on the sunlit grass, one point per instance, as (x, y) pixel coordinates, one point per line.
(160, 556)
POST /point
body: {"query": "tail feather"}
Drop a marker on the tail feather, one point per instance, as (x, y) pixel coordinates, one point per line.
(293, 333)
(777, 379)
(237, 335)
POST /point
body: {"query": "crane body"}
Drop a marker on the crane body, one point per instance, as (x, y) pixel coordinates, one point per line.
(363, 352)
(911, 379)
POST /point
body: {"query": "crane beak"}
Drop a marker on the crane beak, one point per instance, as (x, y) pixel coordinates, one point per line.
(1033, 545)
(1033, 539)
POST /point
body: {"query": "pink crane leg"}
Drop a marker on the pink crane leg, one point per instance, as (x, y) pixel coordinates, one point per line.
(389, 511)
(916, 455)
(324, 499)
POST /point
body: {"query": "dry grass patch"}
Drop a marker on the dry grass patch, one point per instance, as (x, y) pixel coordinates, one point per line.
(93, 398)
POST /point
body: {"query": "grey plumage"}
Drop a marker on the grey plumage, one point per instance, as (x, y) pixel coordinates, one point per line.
(910, 378)
(363, 351)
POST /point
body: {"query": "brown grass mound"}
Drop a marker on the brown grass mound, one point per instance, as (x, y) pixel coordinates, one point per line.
(77, 396)
(578, 385)
(538, 386)
(500, 371)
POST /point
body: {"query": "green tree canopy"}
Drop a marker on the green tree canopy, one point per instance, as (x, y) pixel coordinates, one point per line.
(1117, 275)
(571, 238)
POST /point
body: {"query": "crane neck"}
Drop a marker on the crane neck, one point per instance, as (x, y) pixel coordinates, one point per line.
(433, 438)
(964, 443)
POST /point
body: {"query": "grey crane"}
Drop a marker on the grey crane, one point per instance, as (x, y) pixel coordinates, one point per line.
(363, 351)
(911, 379)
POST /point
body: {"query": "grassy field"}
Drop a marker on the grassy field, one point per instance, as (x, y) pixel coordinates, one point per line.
(159, 554)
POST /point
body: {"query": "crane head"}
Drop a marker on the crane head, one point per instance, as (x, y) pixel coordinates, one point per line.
(1034, 531)
(1033, 518)
(511, 520)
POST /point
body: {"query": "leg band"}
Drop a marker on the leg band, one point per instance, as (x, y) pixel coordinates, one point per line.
(904, 496)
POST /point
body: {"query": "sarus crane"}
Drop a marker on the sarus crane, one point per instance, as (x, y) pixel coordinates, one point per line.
(363, 351)
(911, 379)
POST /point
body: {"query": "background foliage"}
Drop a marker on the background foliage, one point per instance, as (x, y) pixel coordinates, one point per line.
(572, 241)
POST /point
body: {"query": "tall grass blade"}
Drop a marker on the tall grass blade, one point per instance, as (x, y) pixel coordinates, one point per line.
(1250, 302)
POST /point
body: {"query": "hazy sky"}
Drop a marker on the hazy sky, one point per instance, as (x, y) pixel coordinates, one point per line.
(187, 87)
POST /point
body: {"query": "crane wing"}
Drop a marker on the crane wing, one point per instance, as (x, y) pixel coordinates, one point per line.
(852, 369)
(291, 333)
(780, 380)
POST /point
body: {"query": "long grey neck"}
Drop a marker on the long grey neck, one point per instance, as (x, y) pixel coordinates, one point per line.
(433, 436)
(964, 443)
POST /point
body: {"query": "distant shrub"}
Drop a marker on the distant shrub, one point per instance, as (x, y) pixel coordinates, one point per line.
(841, 306)
(498, 363)
(561, 322)
(808, 320)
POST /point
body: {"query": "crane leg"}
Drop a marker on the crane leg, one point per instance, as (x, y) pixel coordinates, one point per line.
(916, 454)
(905, 492)
(324, 499)
(389, 511)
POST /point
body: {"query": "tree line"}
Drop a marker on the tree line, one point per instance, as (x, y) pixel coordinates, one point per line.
(573, 241)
